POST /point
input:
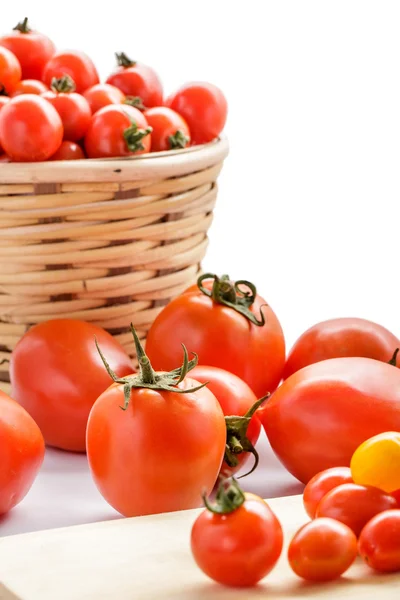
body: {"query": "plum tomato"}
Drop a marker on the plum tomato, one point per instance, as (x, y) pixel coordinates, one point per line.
(379, 542)
(321, 484)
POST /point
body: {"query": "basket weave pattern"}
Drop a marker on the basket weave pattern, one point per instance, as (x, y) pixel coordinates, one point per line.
(109, 242)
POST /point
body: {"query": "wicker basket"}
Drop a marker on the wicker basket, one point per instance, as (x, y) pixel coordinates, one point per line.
(106, 241)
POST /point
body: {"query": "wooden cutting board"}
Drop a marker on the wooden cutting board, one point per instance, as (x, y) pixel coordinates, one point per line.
(149, 558)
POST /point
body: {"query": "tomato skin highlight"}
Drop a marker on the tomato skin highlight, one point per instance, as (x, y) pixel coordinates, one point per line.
(103, 94)
(320, 415)
(139, 81)
(30, 86)
(165, 124)
(74, 63)
(74, 111)
(33, 50)
(22, 452)
(322, 550)
(68, 151)
(379, 542)
(240, 548)
(10, 70)
(377, 462)
(321, 484)
(57, 374)
(340, 338)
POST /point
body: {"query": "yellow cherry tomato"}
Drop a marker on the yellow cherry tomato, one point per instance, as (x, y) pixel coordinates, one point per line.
(377, 462)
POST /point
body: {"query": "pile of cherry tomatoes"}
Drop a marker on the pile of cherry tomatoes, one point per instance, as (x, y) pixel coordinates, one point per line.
(53, 106)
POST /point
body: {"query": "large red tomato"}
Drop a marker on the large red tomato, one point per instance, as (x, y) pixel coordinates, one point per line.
(137, 81)
(73, 108)
(10, 70)
(57, 374)
(22, 452)
(74, 63)
(228, 325)
(339, 338)
(320, 415)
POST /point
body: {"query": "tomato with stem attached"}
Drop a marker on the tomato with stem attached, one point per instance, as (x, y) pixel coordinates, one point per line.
(170, 131)
(103, 94)
(73, 108)
(10, 70)
(379, 542)
(68, 151)
(74, 63)
(321, 484)
(30, 86)
(238, 540)
(137, 81)
(376, 462)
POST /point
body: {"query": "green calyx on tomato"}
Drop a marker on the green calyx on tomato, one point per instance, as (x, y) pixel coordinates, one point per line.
(133, 136)
(63, 84)
(229, 498)
(393, 360)
(224, 291)
(178, 140)
(3, 90)
(236, 437)
(23, 26)
(148, 378)
(135, 101)
(123, 60)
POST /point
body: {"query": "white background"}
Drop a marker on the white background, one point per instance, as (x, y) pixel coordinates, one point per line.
(308, 204)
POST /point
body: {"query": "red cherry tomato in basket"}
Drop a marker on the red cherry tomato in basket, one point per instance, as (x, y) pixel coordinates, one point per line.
(57, 374)
(138, 82)
(321, 484)
(30, 86)
(73, 108)
(38, 125)
(103, 94)
(68, 151)
(204, 108)
(117, 130)
(33, 49)
(10, 70)
(170, 131)
(379, 543)
(74, 63)
(3, 101)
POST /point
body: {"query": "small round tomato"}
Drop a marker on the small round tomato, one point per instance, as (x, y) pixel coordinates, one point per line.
(137, 81)
(38, 125)
(377, 462)
(10, 70)
(322, 550)
(170, 131)
(238, 541)
(73, 108)
(238, 403)
(321, 484)
(22, 452)
(74, 63)
(117, 130)
(103, 94)
(33, 49)
(30, 86)
(341, 337)
(354, 505)
(204, 108)
(68, 151)
(3, 101)
(57, 374)
(379, 542)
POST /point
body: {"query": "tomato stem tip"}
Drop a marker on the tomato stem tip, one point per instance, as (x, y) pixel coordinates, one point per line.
(393, 360)
(123, 60)
(135, 101)
(229, 497)
(22, 26)
(178, 140)
(63, 84)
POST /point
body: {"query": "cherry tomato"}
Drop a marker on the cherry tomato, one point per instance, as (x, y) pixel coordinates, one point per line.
(379, 542)
(204, 108)
(354, 505)
(170, 131)
(228, 327)
(57, 375)
(322, 550)
(74, 63)
(117, 130)
(377, 462)
(396, 495)
(137, 81)
(163, 449)
(38, 125)
(33, 49)
(3, 101)
(30, 86)
(236, 398)
(238, 541)
(338, 338)
(327, 410)
(103, 94)
(321, 484)
(68, 151)
(10, 70)
(73, 108)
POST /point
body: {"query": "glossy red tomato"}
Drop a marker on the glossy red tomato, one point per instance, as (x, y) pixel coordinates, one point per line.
(235, 398)
(30, 86)
(103, 94)
(68, 151)
(73, 108)
(328, 409)
(170, 131)
(3, 101)
(4, 158)
(220, 329)
(379, 543)
(321, 484)
(33, 49)
(204, 108)
(10, 70)
(322, 550)
(354, 505)
(338, 338)
(240, 546)
(117, 130)
(38, 125)
(74, 63)
(22, 452)
(137, 81)
(57, 374)
(396, 494)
